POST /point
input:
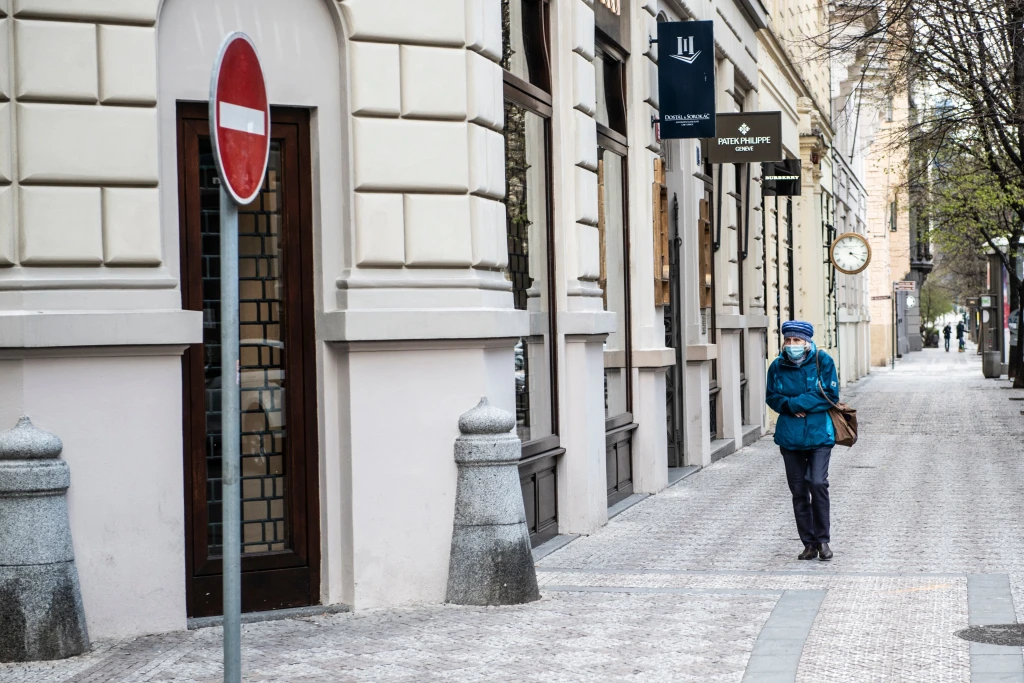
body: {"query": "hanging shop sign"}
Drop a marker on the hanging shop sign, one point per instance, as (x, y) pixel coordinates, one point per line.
(781, 178)
(747, 137)
(686, 79)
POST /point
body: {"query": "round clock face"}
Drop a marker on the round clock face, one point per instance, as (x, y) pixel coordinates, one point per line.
(911, 301)
(850, 253)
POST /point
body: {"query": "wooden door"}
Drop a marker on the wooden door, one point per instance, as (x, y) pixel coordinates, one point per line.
(280, 525)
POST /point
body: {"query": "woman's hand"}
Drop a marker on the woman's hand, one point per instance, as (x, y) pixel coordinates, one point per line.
(800, 414)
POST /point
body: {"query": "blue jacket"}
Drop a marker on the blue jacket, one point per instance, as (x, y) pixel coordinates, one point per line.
(794, 389)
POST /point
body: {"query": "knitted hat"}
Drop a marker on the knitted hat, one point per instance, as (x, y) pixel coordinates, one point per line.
(798, 329)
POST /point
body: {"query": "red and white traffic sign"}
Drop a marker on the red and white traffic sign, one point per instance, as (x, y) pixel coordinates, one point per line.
(239, 118)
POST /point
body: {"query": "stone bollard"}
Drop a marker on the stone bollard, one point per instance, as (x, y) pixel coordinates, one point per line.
(41, 613)
(491, 561)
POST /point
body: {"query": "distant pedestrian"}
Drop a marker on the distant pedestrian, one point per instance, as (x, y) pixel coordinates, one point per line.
(960, 336)
(947, 331)
(804, 431)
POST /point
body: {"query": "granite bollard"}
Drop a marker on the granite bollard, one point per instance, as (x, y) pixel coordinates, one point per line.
(41, 612)
(491, 561)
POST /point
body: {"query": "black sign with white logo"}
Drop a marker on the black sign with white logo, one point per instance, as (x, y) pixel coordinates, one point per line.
(746, 138)
(781, 178)
(686, 79)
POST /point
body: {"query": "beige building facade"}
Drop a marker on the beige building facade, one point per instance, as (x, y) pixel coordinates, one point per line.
(458, 204)
(717, 318)
(826, 147)
(464, 198)
(889, 224)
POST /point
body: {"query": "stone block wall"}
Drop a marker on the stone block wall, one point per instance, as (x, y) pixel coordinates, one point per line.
(427, 115)
(78, 135)
(584, 102)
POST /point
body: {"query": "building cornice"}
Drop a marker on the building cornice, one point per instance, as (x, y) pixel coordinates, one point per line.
(756, 14)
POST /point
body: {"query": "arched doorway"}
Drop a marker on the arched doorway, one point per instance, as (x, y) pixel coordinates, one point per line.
(278, 238)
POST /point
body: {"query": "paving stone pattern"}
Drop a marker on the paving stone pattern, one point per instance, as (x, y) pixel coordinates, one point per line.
(680, 587)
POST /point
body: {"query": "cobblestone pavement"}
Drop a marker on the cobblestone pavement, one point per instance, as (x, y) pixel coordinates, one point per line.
(681, 586)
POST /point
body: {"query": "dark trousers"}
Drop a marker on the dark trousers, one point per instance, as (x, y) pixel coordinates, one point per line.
(807, 474)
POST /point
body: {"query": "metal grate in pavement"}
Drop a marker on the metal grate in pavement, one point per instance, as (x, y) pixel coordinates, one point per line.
(996, 634)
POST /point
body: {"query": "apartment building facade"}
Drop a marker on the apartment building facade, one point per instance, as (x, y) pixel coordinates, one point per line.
(464, 198)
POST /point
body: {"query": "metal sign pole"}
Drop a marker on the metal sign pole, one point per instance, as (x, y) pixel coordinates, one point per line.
(240, 132)
(895, 329)
(230, 438)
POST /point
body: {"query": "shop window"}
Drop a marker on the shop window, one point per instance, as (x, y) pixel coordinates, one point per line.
(610, 86)
(526, 201)
(613, 235)
(709, 322)
(524, 50)
(740, 195)
(613, 280)
(530, 270)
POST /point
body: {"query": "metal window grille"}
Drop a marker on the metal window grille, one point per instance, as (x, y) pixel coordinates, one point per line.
(262, 359)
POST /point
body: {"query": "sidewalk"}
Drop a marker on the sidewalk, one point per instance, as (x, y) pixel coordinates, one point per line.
(701, 582)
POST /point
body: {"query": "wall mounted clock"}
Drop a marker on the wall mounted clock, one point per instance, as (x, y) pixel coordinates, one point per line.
(850, 253)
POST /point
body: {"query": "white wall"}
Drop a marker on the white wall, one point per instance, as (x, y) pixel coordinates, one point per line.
(120, 420)
(398, 471)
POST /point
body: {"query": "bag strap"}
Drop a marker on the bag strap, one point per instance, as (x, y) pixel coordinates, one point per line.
(817, 364)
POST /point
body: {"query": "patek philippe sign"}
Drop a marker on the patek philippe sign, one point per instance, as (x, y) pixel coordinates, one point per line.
(686, 79)
(747, 138)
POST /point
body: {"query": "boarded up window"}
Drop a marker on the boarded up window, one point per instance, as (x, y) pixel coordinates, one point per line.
(662, 288)
(706, 239)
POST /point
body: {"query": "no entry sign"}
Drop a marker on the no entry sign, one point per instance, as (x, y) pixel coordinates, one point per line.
(240, 128)
(239, 118)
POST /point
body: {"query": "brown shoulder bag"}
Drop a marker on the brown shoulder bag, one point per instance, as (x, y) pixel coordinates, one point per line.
(844, 418)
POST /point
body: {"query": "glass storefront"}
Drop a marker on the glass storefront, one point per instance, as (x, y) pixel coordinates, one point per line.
(527, 215)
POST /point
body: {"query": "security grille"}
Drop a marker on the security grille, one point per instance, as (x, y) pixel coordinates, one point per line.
(262, 359)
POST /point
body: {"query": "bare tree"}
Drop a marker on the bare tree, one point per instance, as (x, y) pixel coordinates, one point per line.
(962, 64)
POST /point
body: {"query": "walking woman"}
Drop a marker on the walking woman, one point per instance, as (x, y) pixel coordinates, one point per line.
(804, 431)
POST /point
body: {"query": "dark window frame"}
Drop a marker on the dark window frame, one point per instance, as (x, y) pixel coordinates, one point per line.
(540, 457)
(613, 139)
(533, 102)
(536, 44)
(614, 61)
(613, 145)
(288, 570)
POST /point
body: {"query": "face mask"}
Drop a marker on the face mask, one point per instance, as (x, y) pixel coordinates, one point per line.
(795, 352)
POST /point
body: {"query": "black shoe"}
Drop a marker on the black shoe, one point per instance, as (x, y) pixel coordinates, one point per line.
(810, 552)
(824, 552)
